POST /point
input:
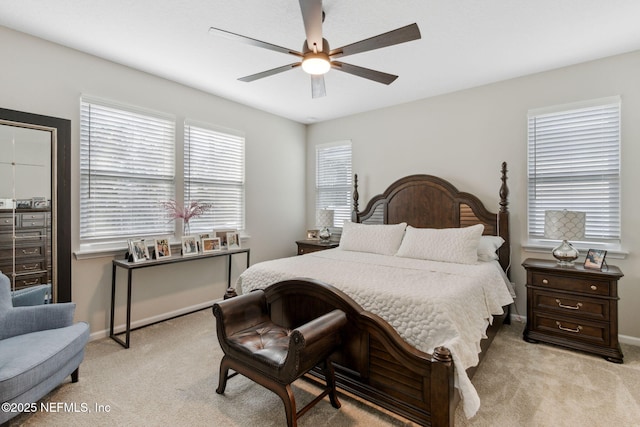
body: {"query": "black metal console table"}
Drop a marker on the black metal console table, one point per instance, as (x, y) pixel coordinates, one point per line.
(130, 266)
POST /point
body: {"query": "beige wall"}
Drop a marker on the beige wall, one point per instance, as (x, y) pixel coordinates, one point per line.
(44, 78)
(464, 136)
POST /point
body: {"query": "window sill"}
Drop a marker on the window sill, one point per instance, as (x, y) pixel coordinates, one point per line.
(118, 249)
(613, 252)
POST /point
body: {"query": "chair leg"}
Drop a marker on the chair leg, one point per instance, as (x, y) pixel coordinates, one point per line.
(329, 375)
(75, 375)
(224, 372)
(286, 394)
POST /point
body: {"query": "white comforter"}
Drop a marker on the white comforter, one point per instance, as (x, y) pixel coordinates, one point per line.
(429, 303)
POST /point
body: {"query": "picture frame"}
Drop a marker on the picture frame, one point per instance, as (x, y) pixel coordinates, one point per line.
(138, 250)
(200, 237)
(211, 244)
(595, 259)
(23, 204)
(222, 235)
(233, 240)
(313, 234)
(162, 248)
(189, 245)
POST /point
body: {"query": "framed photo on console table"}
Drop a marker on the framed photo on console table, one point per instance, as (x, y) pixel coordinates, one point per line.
(595, 259)
(163, 248)
(189, 245)
(233, 240)
(222, 235)
(210, 244)
(138, 250)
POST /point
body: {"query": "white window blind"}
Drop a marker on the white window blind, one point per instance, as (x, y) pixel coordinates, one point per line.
(334, 180)
(574, 164)
(214, 173)
(127, 167)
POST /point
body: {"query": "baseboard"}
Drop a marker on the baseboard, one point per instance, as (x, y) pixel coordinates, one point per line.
(626, 339)
(154, 319)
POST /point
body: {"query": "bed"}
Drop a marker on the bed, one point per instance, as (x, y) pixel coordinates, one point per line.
(420, 317)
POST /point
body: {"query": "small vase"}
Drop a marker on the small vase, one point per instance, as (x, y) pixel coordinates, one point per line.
(186, 230)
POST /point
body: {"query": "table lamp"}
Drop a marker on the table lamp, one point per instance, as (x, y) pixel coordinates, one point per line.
(324, 220)
(564, 225)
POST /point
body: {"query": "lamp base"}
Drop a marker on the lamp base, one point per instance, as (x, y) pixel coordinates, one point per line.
(565, 254)
(324, 235)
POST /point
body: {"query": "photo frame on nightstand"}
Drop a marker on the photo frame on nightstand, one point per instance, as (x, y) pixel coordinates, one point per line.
(595, 259)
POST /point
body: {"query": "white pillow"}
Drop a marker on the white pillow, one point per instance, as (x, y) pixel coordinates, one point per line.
(458, 245)
(488, 246)
(376, 238)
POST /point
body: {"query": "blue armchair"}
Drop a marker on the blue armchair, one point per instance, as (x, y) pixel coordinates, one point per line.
(39, 347)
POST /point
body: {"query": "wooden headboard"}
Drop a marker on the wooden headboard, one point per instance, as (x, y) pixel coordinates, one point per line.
(425, 201)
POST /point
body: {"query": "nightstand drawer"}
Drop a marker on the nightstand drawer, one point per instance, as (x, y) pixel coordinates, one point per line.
(575, 329)
(570, 305)
(308, 246)
(571, 284)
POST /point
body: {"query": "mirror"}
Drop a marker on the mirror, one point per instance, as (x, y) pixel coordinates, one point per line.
(35, 244)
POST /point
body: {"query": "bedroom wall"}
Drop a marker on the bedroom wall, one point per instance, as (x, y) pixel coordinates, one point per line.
(44, 78)
(464, 136)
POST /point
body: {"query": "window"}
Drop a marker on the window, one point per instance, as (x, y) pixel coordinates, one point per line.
(127, 167)
(574, 164)
(334, 180)
(214, 173)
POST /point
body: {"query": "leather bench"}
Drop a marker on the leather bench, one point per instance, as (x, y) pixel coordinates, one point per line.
(272, 355)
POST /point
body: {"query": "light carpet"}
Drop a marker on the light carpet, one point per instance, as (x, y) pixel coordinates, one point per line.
(169, 375)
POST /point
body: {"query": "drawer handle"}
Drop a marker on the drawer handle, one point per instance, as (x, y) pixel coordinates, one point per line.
(594, 288)
(562, 328)
(570, 307)
(33, 252)
(33, 267)
(33, 282)
(545, 281)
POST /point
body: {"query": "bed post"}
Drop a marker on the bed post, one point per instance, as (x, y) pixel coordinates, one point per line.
(442, 388)
(356, 196)
(504, 253)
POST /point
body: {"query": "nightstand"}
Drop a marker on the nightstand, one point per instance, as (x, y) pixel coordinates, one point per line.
(308, 246)
(573, 307)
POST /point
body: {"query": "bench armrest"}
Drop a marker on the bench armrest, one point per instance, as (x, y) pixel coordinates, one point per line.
(241, 312)
(319, 328)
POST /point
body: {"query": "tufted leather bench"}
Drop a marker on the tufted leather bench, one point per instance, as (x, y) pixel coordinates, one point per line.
(274, 356)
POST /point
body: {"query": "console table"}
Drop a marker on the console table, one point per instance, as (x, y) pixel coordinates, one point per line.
(130, 266)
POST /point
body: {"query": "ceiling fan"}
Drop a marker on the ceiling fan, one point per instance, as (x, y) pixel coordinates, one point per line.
(317, 58)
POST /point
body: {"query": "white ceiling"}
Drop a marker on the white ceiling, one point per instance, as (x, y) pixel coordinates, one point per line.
(465, 43)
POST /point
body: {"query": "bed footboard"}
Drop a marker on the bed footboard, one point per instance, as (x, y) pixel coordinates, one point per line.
(374, 363)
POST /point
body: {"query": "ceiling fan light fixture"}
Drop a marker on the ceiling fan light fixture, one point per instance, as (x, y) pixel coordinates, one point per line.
(316, 63)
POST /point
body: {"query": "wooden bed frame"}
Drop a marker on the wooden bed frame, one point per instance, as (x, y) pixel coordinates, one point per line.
(375, 363)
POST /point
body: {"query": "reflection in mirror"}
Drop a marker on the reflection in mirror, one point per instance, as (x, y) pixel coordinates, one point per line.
(26, 233)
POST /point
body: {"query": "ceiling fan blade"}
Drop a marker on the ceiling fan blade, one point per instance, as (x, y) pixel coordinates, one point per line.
(312, 17)
(253, 42)
(270, 72)
(376, 76)
(397, 36)
(317, 86)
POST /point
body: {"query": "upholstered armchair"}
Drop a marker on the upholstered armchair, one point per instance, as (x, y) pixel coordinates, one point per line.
(39, 347)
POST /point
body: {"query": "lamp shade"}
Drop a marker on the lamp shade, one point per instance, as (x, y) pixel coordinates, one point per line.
(324, 218)
(564, 225)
